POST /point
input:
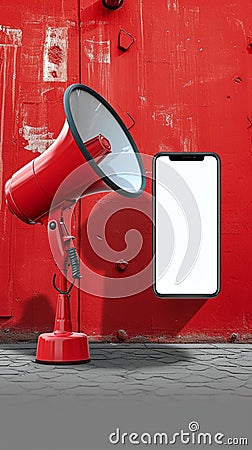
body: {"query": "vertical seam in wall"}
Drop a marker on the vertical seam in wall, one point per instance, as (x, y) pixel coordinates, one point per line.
(79, 203)
(79, 38)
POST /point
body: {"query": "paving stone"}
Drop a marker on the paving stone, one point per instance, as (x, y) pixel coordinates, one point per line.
(248, 382)
(33, 385)
(4, 363)
(48, 375)
(197, 391)
(195, 379)
(157, 381)
(37, 367)
(244, 363)
(225, 364)
(153, 376)
(70, 378)
(195, 368)
(230, 384)
(235, 370)
(6, 371)
(243, 391)
(134, 392)
(168, 390)
(45, 392)
(84, 390)
(100, 372)
(68, 386)
(131, 386)
(161, 370)
(19, 364)
(110, 379)
(109, 394)
(27, 378)
(68, 370)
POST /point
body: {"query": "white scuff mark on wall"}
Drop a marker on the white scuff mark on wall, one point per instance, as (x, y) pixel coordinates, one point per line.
(241, 25)
(194, 9)
(185, 144)
(164, 148)
(141, 88)
(189, 83)
(14, 76)
(70, 23)
(10, 40)
(164, 116)
(188, 141)
(192, 17)
(173, 5)
(55, 54)
(143, 99)
(141, 24)
(38, 138)
(97, 51)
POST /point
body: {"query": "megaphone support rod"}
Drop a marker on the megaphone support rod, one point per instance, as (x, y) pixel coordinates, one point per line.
(62, 346)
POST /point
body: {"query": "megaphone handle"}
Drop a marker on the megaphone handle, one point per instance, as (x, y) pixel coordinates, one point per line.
(74, 261)
(66, 253)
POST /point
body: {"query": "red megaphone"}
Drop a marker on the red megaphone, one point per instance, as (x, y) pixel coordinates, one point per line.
(95, 139)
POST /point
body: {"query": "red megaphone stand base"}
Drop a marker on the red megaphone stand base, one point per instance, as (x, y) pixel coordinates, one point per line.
(62, 346)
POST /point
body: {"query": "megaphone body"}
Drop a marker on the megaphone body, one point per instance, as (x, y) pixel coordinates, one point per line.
(31, 190)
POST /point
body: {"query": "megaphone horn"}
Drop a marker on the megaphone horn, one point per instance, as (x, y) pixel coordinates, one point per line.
(91, 132)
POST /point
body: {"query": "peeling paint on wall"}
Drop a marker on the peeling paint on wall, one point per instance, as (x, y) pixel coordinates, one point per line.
(38, 138)
(97, 51)
(55, 54)
(182, 126)
(10, 40)
(10, 36)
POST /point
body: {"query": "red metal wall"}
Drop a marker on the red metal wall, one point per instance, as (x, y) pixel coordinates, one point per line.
(186, 83)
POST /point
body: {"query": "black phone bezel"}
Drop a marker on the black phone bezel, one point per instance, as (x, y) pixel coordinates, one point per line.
(181, 156)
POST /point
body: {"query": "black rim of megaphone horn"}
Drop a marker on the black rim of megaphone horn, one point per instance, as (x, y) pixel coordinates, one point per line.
(85, 152)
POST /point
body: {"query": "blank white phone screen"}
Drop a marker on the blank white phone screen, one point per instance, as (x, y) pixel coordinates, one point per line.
(186, 241)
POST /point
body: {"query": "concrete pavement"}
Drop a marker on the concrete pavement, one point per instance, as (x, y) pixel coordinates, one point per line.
(121, 370)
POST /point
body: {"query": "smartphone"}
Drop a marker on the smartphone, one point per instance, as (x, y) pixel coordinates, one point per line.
(186, 224)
